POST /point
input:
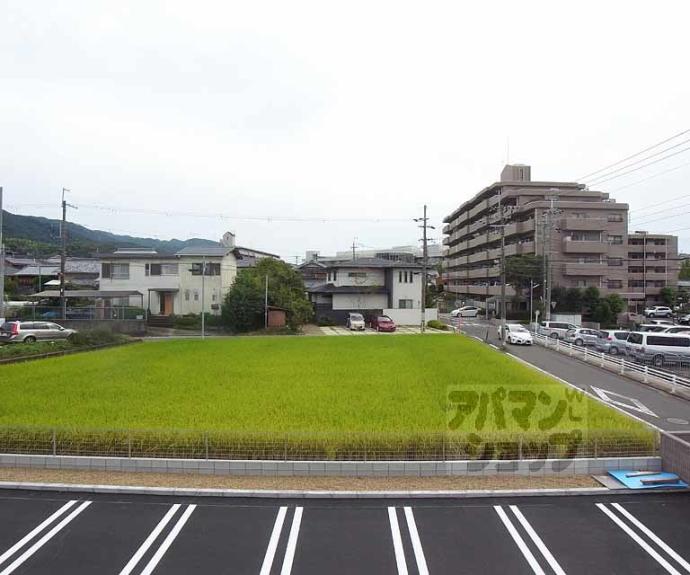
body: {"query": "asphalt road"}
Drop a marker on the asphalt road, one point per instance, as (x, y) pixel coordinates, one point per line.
(661, 409)
(102, 534)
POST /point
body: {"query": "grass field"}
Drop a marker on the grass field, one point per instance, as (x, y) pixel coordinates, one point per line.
(331, 394)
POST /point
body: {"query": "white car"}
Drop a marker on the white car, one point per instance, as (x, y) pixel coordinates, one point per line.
(658, 311)
(355, 321)
(517, 334)
(465, 311)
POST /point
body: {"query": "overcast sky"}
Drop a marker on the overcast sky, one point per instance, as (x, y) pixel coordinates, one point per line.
(331, 110)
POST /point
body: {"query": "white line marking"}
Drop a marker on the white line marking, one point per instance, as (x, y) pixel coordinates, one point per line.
(649, 533)
(608, 396)
(29, 536)
(273, 542)
(292, 542)
(635, 537)
(397, 542)
(534, 536)
(416, 543)
(149, 540)
(158, 555)
(43, 540)
(519, 541)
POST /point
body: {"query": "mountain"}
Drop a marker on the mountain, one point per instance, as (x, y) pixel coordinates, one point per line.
(41, 236)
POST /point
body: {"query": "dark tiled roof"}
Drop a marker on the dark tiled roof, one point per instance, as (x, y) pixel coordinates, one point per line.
(372, 263)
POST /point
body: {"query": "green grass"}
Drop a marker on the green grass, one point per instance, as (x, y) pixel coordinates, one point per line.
(329, 396)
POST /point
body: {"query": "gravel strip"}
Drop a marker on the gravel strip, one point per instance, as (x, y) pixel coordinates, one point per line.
(293, 483)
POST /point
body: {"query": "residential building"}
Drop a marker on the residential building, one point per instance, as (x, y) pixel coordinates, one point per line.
(369, 286)
(653, 264)
(582, 232)
(246, 257)
(80, 273)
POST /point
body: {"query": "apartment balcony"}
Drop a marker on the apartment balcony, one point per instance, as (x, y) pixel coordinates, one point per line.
(457, 261)
(518, 249)
(651, 276)
(519, 227)
(477, 257)
(481, 240)
(454, 275)
(587, 247)
(478, 209)
(585, 269)
(446, 229)
(582, 224)
(485, 272)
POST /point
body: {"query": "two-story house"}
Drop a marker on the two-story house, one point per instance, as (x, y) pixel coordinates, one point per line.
(172, 283)
(369, 286)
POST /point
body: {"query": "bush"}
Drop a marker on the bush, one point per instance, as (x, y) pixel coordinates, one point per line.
(436, 324)
(95, 337)
(325, 321)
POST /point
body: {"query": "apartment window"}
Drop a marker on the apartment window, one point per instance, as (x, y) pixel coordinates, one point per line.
(586, 236)
(615, 218)
(615, 261)
(405, 303)
(579, 215)
(119, 271)
(590, 260)
(635, 283)
(614, 284)
(581, 283)
(616, 240)
(659, 242)
(635, 270)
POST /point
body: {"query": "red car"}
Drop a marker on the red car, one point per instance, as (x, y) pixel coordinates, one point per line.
(382, 323)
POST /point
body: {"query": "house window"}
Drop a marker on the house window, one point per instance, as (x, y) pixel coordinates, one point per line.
(153, 269)
(169, 270)
(405, 303)
(186, 295)
(106, 270)
(196, 295)
(357, 274)
(212, 269)
(332, 276)
(119, 271)
(405, 277)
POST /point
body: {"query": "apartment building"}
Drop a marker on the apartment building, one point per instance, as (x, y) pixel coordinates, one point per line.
(583, 233)
(653, 263)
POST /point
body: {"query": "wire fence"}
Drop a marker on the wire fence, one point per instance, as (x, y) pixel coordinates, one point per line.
(324, 447)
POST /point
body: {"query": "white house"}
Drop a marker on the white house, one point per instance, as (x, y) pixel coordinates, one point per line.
(370, 286)
(172, 284)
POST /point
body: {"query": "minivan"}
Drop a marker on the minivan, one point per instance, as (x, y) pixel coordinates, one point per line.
(555, 329)
(612, 341)
(659, 348)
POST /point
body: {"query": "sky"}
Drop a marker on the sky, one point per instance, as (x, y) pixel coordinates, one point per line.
(312, 125)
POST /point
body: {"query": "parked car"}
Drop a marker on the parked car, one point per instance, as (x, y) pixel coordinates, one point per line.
(654, 327)
(517, 334)
(32, 331)
(382, 323)
(582, 336)
(659, 348)
(684, 319)
(612, 341)
(677, 329)
(658, 311)
(659, 321)
(355, 321)
(465, 311)
(555, 329)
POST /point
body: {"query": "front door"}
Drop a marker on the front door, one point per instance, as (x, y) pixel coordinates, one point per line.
(166, 301)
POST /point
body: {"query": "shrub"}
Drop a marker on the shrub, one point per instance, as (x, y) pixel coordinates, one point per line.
(326, 321)
(95, 337)
(436, 324)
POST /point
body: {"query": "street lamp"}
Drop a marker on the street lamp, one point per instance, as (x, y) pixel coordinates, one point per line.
(532, 286)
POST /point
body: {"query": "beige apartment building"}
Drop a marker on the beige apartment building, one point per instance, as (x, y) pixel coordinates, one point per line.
(583, 232)
(653, 264)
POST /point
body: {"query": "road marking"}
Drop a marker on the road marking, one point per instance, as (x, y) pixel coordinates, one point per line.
(519, 541)
(43, 540)
(649, 533)
(416, 543)
(273, 542)
(29, 536)
(637, 405)
(158, 555)
(292, 542)
(635, 537)
(149, 540)
(534, 536)
(397, 542)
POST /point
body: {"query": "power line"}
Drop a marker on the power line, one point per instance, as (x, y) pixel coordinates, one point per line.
(661, 203)
(645, 216)
(650, 177)
(634, 155)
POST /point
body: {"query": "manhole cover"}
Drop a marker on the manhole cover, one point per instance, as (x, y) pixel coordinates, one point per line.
(677, 421)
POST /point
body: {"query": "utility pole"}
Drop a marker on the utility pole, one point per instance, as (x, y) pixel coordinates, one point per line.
(266, 304)
(203, 297)
(63, 252)
(425, 263)
(502, 309)
(354, 246)
(2, 267)
(548, 278)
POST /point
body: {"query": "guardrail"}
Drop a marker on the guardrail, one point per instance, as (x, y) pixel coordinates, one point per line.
(642, 372)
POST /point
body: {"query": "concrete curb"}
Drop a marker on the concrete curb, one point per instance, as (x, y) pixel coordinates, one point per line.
(296, 494)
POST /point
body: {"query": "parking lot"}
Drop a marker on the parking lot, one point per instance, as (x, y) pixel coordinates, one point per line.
(401, 329)
(52, 533)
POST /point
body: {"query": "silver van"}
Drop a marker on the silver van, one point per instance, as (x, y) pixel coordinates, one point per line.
(659, 348)
(555, 329)
(612, 341)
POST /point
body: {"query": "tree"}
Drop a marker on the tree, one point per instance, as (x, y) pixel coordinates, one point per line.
(243, 308)
(667, 295)
(616, 303)
(684, 270)
(602, 312)
(521, 269)
(590, 298)
(573, 300)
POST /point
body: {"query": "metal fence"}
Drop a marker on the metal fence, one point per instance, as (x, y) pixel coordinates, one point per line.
(323, 447)
(643, 372)
(74, 312)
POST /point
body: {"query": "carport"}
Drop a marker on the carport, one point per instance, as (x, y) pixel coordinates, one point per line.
(106, 305)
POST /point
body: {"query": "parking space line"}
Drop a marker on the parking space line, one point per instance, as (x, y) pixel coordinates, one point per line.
(132, 563)
(519, 541)
(641, 542)
(158, 555)
(416, 543)
(649, 533)
(273, 542)
(292, 542)
(29, 536)
(397, 542)
(534, 536)
(43, 540)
